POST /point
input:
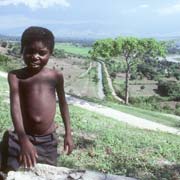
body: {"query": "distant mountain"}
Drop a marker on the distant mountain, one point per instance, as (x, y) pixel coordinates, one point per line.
(168, 38)
(84, 41)
(9, 38)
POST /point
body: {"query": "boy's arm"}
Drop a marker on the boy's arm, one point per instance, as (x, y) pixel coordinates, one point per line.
(28, 152)
(68, 142)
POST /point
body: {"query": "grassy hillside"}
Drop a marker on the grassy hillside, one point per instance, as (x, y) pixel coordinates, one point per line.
(106, 145)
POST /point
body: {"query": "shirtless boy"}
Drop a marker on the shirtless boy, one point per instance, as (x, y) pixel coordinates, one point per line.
(33, 104)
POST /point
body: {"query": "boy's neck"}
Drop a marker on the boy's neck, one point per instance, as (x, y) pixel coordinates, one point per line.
(32, 72)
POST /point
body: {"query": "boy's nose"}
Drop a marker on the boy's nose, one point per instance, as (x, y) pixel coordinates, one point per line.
(35, 56)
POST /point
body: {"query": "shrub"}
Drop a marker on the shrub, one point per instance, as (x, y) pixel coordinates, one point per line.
(113, 75)
(142, 87)
(178, 106)
(151, 103)
(177, 111)
(133, 76)
(167, 107)
(169, 88)
(177, 75)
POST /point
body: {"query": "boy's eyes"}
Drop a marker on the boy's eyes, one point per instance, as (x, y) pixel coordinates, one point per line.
(31, 51)
(42, 53)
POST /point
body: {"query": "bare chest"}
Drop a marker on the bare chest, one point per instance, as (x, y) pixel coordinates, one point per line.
(37, 86)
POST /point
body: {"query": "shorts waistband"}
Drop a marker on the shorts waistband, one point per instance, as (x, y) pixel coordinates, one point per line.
(37, 138)
(43, 138)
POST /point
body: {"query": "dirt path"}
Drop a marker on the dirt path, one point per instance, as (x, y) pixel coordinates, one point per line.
(110, 84)
(117, 115)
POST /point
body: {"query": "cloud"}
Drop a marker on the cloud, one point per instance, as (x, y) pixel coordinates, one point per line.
(129, 11)
(35, 4)
(171, 9)
(143, 6)
(22, 21)
(135, 9)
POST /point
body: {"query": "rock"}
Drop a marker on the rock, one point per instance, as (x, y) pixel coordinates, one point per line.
(47, 172)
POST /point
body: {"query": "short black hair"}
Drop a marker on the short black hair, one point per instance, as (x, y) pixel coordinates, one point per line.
(35, 33)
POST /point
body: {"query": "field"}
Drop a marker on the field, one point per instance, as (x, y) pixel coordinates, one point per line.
(137, 88)
(127, 151)
(70, 48)
(73, 68)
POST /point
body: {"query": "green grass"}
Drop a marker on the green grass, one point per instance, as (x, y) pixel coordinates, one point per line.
(5, 120)
(103, 144)
(70, 48)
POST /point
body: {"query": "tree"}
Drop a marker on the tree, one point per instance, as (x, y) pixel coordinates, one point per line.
(132, 50)
(104, 48)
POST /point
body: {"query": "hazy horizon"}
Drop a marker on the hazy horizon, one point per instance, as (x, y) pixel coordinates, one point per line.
(92, 19)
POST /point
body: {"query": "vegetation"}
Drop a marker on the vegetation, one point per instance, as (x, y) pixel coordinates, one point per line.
(170, 89)
(59, 53)
(105, 145)
(131, 49)
(125, 151)
(72, 49)
(7, 64)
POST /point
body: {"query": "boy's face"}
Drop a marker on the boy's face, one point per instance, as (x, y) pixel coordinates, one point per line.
(36, 55)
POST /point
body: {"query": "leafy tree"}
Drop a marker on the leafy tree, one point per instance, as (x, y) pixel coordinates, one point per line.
(103, 49)
(131, 49)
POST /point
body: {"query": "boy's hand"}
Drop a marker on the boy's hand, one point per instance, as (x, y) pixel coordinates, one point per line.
(28, 154)
(68, 144)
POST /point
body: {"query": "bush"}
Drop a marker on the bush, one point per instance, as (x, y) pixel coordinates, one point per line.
(167, 108)
(177, 112)
(151, 103)
(113, 75)
(133, 76)
(177, 75)
(142, 87)
(170, 89)
(147, 70)
(178, 106)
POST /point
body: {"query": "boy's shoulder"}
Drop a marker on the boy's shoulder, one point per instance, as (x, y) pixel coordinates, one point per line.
(15, 73)
(53, 72)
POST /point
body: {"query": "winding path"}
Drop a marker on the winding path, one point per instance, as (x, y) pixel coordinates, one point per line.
(117, 115)
(110, 84)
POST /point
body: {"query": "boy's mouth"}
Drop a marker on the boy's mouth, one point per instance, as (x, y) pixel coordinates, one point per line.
(35, 65)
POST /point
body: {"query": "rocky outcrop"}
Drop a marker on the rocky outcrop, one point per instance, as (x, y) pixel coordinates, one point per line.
(47, 172)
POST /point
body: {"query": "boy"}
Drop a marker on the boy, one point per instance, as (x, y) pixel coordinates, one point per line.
(33, 105)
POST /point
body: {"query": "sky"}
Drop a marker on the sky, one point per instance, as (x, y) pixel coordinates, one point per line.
(92, 18)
